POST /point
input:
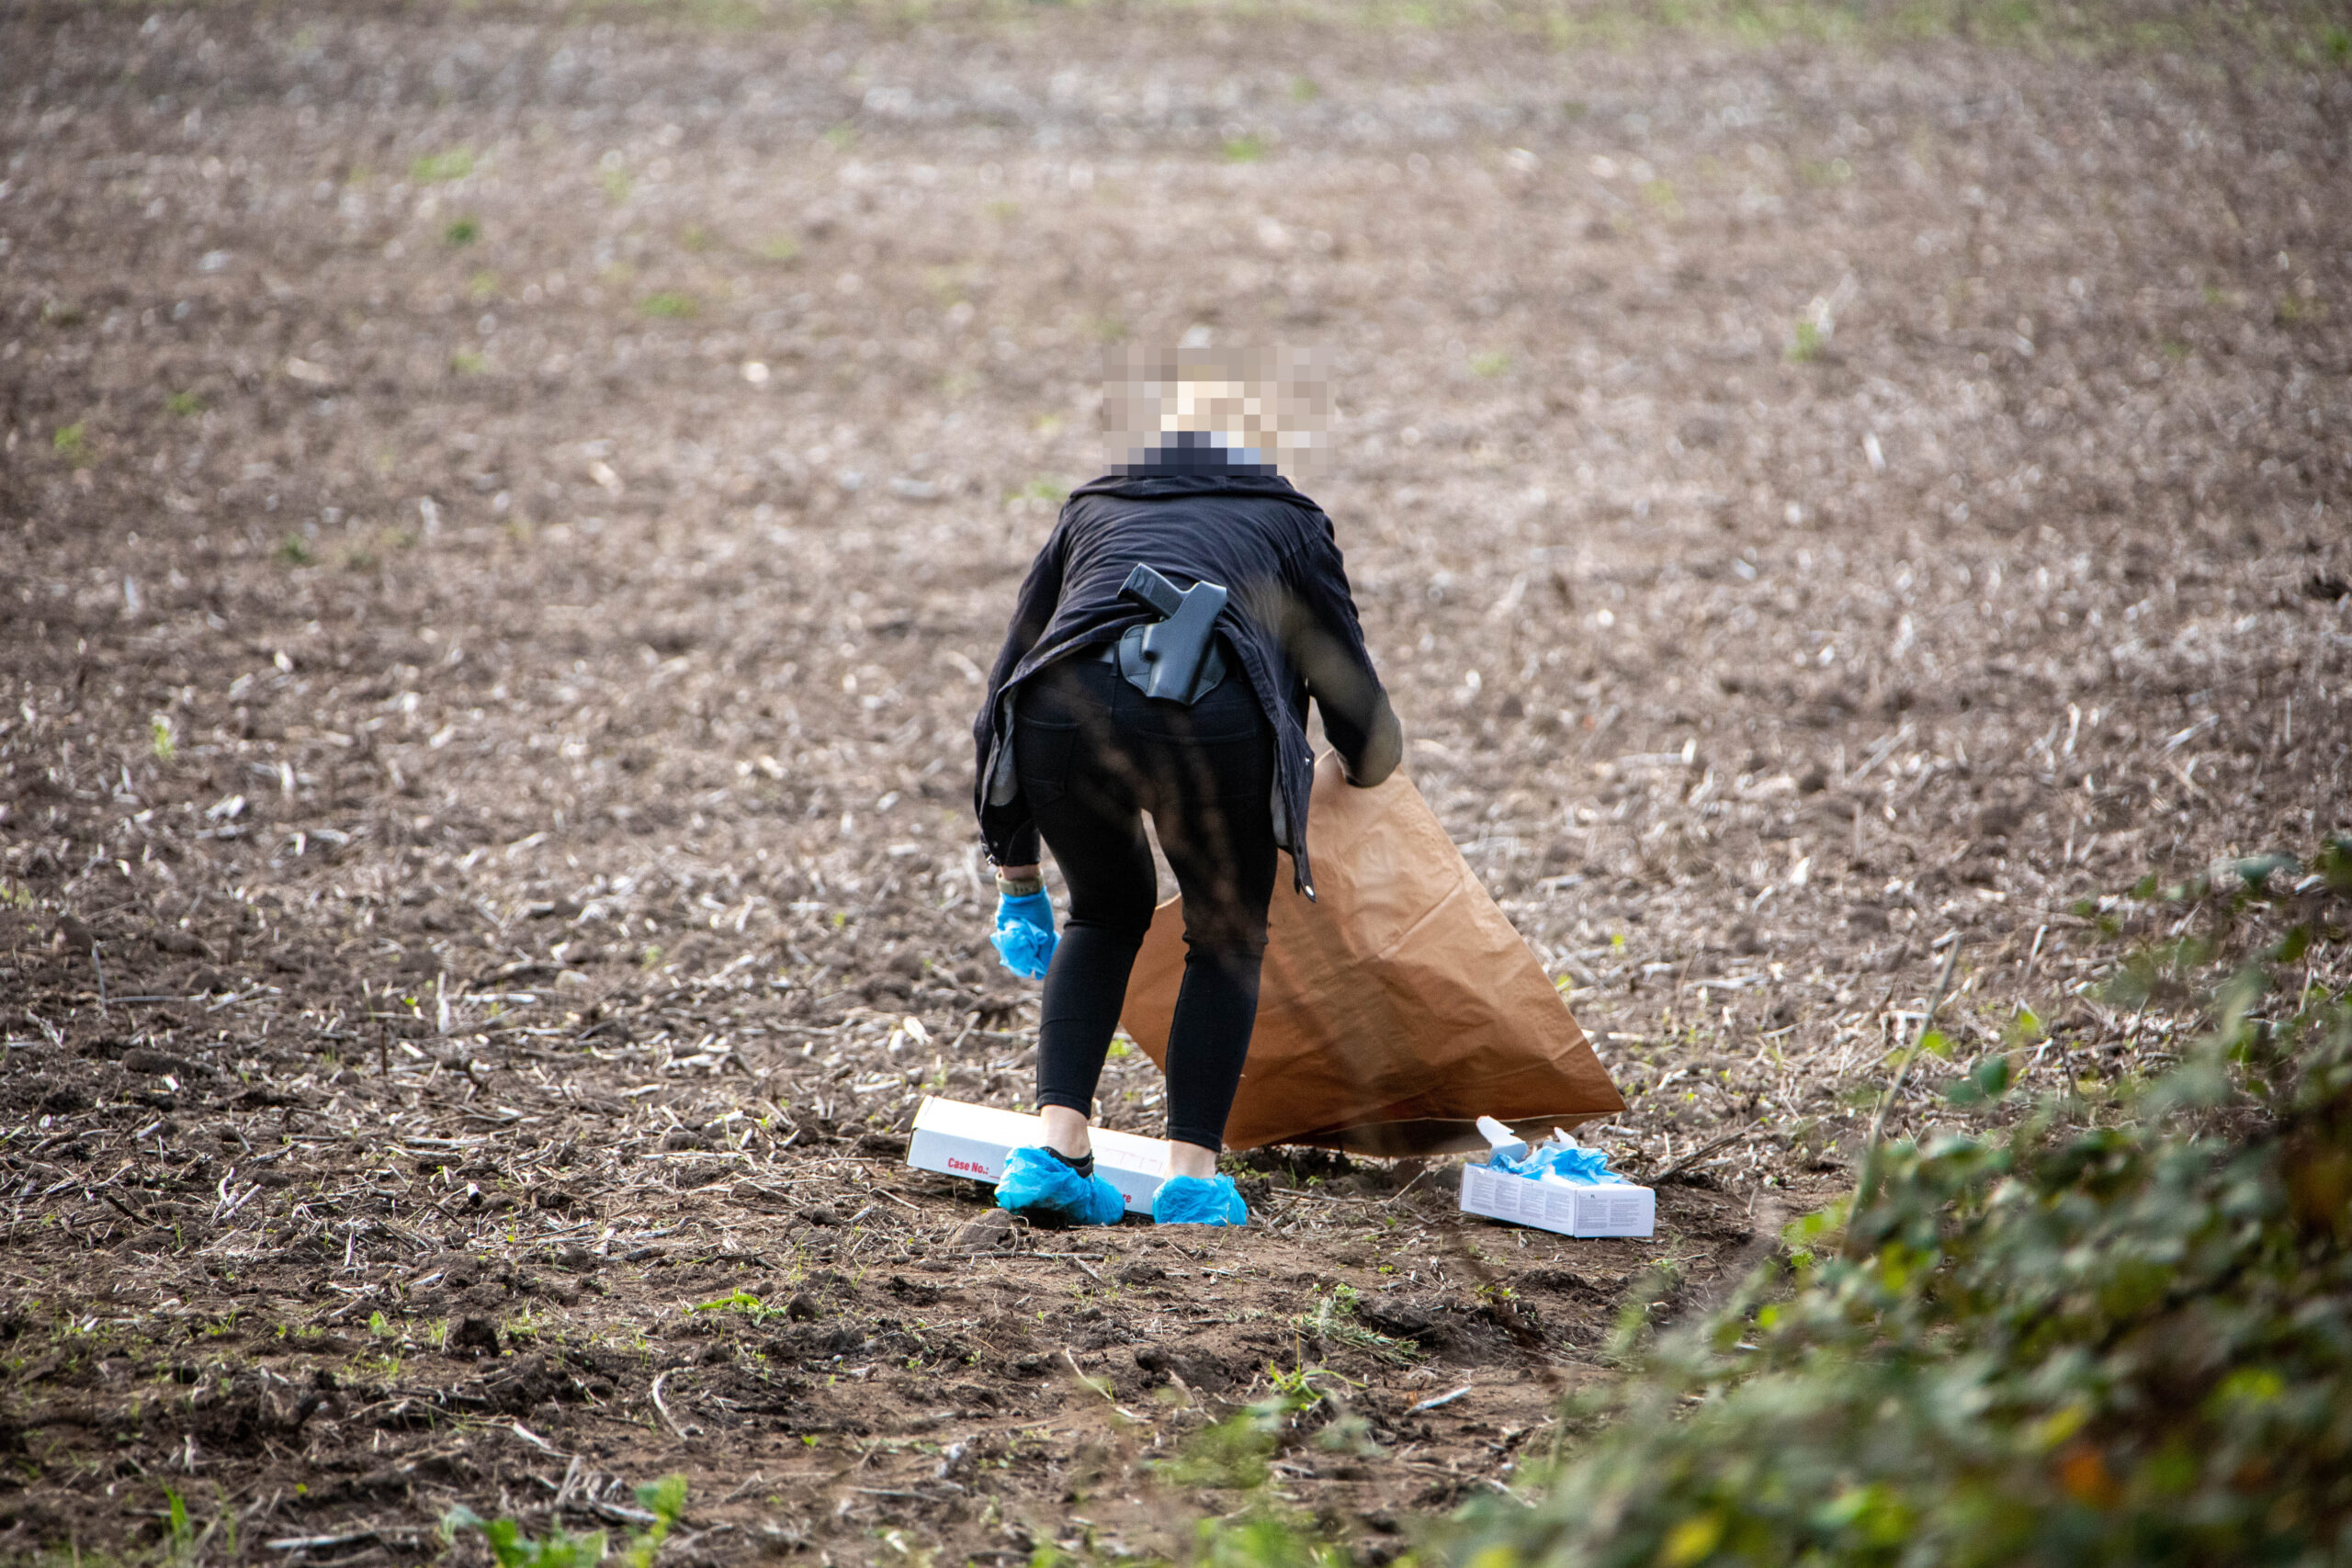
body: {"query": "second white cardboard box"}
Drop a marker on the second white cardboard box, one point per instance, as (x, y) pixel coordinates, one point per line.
(1598, 1209)
(971, 1140)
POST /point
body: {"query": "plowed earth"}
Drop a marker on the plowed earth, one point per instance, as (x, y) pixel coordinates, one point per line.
(502, 516)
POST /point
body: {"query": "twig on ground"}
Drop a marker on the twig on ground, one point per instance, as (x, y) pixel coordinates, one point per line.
(1695, 1156)
(668, 1419)
(319, 1542)
(1100, 1385)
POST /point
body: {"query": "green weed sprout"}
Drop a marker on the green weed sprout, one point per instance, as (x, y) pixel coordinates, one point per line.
(664, 1499)
(72, 442)
(1232, 1453)
(511, 1549)
(454, 164)
(1334, 1322)
(179, 1534)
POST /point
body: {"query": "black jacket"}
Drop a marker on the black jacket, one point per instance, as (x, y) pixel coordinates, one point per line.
(1196, 515)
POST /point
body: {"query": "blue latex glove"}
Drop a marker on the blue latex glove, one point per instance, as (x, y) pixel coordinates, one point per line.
(1584, 1166)
(1025, 933)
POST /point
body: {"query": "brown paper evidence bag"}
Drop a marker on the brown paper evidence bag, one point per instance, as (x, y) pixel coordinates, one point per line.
(1397, 1007)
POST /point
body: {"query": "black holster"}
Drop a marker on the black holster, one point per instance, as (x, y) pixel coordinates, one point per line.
(1174, 659)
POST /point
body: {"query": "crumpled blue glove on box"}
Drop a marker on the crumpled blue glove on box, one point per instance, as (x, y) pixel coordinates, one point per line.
(1583, 1165)
(1559, 1156)
(1024, 934)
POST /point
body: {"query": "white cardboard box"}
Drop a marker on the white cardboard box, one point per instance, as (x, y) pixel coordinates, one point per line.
(1567, 1209)
(971, 1140)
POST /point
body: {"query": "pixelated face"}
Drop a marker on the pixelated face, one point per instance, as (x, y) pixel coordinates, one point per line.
(1276, 402)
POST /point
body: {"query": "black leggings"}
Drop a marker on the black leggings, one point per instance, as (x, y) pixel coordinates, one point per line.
(1093, 754)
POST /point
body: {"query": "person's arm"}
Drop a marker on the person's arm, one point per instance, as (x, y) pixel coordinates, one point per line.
(1324, 641)
(1033, 612)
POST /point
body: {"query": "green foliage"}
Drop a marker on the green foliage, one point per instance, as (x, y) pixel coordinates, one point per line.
(2332, 866)
(1245, 150)
(432, 168)
(1306, 1402)
(509, 1548)
(72, 442)
(160, 737)
(668, 306)
(1264, 1541)
(184, 404)
(664, 1499)
(743, 1302)
(1234, 1451)
(1804, 342)
(1334, 1322)
(464, 231)
(179, 1533)
(1988, 1081)
(2059, 1344)
(294, 551)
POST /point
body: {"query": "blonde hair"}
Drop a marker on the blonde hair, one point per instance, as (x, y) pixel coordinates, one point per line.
(1274, 402)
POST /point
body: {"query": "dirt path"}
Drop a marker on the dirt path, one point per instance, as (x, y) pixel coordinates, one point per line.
(501, 520)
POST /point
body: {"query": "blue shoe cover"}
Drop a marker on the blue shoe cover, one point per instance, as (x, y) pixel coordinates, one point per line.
(1042, 1187)
(1198, 1200)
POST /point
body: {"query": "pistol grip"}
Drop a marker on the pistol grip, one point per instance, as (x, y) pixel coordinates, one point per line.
(1153, 591)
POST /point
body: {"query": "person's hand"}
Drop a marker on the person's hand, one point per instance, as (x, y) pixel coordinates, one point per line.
(1024, 936)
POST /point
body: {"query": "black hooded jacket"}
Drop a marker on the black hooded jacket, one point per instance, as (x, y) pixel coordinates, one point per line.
(1195, 514)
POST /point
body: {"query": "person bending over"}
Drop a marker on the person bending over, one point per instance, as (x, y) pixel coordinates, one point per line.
(1071, 745)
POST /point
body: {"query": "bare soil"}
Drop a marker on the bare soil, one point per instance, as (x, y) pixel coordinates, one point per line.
(503, 514)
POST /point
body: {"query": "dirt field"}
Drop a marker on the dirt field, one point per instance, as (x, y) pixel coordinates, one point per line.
(502, 516)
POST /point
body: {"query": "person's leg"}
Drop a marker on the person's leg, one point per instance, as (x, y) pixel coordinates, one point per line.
(1213, 810)
(1078, 782)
